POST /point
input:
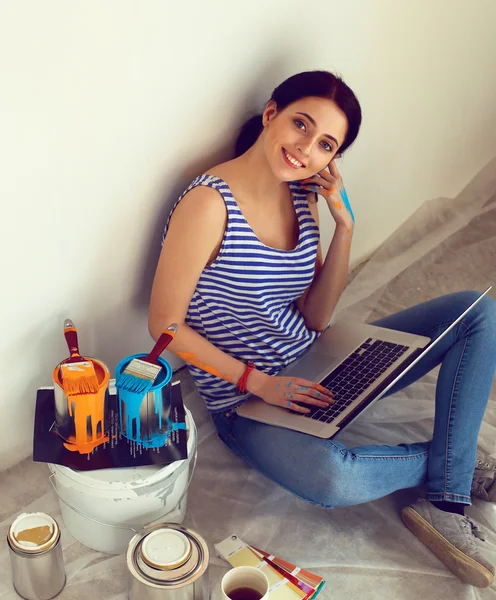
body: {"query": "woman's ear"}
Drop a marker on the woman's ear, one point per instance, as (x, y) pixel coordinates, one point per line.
(269, 112)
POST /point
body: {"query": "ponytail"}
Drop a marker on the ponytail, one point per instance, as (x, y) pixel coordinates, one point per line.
(248, 134)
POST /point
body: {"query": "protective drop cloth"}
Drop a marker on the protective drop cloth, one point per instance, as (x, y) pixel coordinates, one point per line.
(362, 551)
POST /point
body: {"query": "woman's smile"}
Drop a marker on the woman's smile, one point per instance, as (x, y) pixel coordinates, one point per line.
(291, 160)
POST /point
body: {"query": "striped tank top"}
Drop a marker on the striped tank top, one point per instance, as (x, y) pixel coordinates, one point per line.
(244, 301)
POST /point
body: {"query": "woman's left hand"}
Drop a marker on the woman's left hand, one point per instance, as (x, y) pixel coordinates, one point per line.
(329, 184)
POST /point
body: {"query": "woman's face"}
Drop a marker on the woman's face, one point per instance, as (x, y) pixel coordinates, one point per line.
(304, 138)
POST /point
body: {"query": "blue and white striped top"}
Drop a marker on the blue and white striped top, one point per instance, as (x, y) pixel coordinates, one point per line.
(244, 301)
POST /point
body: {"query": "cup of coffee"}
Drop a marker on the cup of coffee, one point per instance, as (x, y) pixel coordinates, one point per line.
(245, 583)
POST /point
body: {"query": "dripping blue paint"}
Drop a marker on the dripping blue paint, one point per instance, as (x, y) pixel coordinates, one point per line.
(141, 415)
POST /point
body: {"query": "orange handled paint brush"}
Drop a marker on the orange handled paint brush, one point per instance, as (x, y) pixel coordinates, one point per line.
(140, 373)
(77, 373)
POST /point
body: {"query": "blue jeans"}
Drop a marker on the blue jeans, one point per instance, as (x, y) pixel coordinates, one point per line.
(326, 473)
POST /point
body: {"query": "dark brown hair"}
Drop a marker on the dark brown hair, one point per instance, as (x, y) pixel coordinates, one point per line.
(320, 84)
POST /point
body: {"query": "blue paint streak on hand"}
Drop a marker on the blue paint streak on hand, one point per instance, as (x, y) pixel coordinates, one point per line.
(346, 202)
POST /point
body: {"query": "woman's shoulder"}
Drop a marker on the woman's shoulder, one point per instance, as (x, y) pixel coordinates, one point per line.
(204, 199)
(225, 171)
(200, 186)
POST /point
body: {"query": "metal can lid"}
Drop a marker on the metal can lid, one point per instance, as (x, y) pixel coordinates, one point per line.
(166, 549)
(167, 556)
(33, 532)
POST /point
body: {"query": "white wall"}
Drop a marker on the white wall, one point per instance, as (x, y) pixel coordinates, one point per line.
(109, 108)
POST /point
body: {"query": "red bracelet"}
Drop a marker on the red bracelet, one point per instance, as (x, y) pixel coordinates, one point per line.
(241, 385)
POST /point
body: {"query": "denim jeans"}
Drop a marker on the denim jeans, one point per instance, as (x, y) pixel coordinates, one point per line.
(326, 473)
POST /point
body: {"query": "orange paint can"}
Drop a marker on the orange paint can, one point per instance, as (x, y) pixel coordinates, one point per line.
(82, 420)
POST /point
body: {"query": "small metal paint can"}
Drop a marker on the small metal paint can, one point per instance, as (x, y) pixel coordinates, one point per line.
(144, 417)
(167, 561)
(36, 556)
(83, 422)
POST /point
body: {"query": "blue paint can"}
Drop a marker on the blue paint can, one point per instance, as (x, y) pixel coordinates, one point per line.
(144, 418)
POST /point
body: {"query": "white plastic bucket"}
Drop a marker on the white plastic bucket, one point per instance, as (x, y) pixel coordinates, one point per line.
(104, 509)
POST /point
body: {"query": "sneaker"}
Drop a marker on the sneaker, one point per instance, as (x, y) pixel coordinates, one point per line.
(452, 538)
(484, 480)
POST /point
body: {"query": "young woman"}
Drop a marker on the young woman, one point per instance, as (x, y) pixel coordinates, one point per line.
(242, 271)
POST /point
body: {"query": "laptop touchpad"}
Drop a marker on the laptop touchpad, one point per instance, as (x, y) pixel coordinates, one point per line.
(313, 366)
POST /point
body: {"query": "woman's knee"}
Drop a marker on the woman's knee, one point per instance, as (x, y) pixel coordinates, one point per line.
(488, 309)
(336, 484)
(484, 312)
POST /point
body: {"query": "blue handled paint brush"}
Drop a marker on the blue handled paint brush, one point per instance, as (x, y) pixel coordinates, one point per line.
(141, 373)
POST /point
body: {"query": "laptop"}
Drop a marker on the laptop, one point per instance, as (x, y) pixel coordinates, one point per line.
(358, 362)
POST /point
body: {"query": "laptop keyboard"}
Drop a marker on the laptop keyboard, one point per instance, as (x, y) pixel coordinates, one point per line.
(355, 374)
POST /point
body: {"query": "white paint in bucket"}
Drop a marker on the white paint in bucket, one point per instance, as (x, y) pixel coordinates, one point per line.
(104, 509)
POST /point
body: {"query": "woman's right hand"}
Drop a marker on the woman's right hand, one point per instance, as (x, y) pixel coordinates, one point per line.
(292, 393)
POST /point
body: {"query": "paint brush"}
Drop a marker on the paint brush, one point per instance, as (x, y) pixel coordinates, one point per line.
(76, 372)
(140, 373)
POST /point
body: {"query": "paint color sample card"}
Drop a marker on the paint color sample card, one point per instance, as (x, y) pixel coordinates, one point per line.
(284, 584)
(308, 578)
(48, 446)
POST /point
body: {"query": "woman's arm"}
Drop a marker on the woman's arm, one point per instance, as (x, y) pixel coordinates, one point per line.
(328, 283)
(320, 299)
(194, 235)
